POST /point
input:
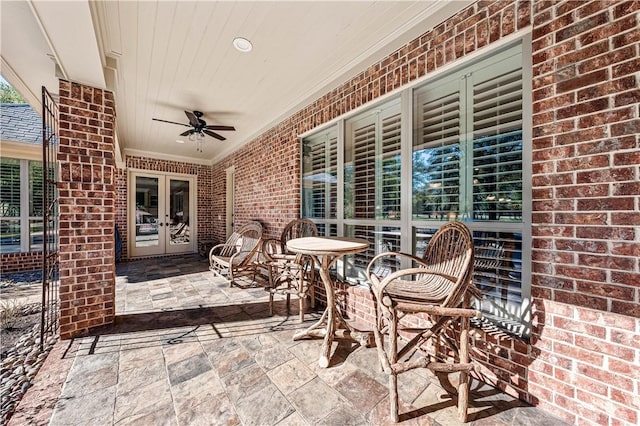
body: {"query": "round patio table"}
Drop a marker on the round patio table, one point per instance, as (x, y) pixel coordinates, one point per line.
(326, 251)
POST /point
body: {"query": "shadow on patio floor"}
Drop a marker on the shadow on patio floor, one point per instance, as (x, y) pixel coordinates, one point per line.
(188, 349)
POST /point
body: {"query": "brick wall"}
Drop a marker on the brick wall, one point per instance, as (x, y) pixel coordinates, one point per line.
(204, 192)
(20, 262)
(267, 190)
(87, 208)
(121, 210)
(586, 187)
(580, 362)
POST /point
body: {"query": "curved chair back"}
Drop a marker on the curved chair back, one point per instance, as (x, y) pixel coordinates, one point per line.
(450, 252)
(249, 236)
(242, 239)
(297, 228)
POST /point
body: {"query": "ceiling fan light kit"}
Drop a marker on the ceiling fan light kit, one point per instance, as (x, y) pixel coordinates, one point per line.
(199, 128)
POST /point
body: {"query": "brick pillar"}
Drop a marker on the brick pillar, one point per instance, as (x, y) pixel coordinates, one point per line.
(87, 208)
(586, 223)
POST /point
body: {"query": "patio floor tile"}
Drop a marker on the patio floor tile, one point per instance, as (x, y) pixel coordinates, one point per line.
(244, 382)
(361, 390)
(290, 376)
(267, 406)
(316, 400)
(214, 356)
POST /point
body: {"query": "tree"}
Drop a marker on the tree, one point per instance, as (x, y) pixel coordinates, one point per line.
(9, 95)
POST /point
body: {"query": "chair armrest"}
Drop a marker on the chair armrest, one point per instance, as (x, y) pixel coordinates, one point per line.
(219, 249)
(271, 247)
(392, 254)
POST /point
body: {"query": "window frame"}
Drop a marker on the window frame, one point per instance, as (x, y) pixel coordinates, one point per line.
(407, 223)
(25, 219)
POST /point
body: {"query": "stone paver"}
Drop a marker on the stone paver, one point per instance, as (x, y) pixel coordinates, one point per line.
(213, 355)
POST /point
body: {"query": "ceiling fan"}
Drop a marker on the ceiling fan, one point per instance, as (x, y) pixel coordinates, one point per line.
(199, 127)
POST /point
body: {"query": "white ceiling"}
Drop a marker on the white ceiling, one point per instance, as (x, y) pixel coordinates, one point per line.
(162, 57)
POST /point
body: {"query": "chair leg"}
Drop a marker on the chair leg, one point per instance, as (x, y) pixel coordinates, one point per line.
(463, 386)
(312, 286)
(271, 287)
(302, 301)
(270, 303)
(312, 295)
(230, 277)
(393, 359)
(393, 398)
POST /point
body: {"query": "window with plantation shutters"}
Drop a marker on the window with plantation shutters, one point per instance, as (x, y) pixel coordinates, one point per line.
(436, 151)
(20, 205)
(9, 187)
(463, 160)
(372, 165)
(497, 144)
(467, 165)
(497, 149)
(319, 176)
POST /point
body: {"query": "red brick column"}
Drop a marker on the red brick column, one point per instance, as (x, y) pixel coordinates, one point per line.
(87, 208)
(586, 224)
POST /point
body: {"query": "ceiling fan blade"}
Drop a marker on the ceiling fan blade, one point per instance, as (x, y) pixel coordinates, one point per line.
(215, 127)
(171, 122)
(192, 118)
(214, 135)
(187, 133)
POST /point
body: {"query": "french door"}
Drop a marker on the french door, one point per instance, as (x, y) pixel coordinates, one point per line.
(161, 214)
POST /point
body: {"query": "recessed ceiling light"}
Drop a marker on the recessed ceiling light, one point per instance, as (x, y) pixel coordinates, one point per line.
(242, 44)
(179, 141)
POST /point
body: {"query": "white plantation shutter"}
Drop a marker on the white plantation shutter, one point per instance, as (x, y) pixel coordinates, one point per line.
(35, 188)
(497, 142)
(436, 151)
(372, 164)
(10, 187)
(319, 176)
(363, 171)
(389, 180)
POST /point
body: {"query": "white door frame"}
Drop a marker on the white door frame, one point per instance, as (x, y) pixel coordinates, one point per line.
(230, 200)
(163, 246)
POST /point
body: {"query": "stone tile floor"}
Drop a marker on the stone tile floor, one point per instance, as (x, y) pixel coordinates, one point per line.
(187, 349)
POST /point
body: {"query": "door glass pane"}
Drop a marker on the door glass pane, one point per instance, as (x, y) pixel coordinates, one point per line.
(381, 239)
(146, 212)
(179, 212)
(498, 273)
